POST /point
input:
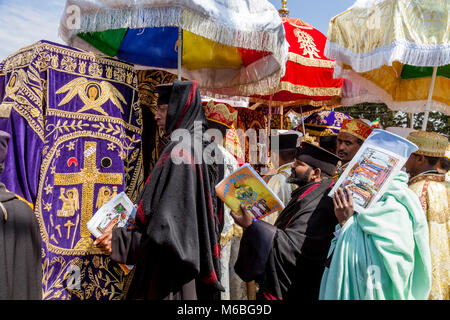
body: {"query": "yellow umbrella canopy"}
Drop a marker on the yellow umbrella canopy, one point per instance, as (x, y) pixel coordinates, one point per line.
(398, 50)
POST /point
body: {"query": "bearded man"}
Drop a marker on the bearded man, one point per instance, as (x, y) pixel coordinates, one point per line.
(287, 259)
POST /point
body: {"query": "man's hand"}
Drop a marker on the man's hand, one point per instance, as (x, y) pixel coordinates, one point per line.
(104, 241)
(245, 220)
(343, 208)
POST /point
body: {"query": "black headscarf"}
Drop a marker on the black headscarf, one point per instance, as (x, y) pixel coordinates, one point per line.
(178, 206)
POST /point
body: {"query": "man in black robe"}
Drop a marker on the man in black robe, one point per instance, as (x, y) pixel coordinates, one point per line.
(287, 259)
(20, 243)
(175, 245)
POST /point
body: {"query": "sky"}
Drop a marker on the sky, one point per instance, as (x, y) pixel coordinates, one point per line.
(24, 22)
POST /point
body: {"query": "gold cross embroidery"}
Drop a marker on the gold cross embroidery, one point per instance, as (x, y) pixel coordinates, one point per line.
(87, 177)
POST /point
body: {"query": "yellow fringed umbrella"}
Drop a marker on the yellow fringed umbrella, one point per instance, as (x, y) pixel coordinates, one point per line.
(398, 50)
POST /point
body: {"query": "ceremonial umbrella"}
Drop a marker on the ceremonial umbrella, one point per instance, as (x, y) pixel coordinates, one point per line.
(308, 81)
(233, 47)
(398, 50)
(309, 73)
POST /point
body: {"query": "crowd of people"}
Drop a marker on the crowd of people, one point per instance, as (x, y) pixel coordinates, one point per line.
(187, 244)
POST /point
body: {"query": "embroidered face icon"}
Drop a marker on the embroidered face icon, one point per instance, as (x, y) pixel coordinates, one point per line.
(93, 92)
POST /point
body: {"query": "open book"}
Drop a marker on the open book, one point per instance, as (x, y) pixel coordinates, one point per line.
(379, 159)
(117, 212)
(245, 186)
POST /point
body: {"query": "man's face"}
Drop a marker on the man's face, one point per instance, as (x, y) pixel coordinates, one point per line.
(347, 146)
(160, 116)
(412, 164)
(301, 173)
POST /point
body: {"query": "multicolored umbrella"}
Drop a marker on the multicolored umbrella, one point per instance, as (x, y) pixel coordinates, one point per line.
(397, 49)
(234, 47)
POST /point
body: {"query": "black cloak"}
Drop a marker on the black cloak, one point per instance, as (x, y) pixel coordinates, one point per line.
(175, 245)
(287, 259)
(20, 250)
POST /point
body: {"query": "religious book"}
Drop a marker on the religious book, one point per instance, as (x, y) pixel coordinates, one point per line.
(379, 159)
(119, 211)
(245, 186)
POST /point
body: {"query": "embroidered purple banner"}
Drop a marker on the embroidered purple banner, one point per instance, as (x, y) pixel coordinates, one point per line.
(79, 112)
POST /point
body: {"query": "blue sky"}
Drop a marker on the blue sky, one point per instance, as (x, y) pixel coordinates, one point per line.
(23, 22)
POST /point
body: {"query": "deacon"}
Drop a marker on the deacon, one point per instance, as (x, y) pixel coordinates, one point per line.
(287, 259)
(20, 245)
(434, 193)
(175, 245)
(349, 139)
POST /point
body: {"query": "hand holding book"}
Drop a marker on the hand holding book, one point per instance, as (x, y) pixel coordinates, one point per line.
(343, 205)
(244, 220)
(245, 187)
(104, 241)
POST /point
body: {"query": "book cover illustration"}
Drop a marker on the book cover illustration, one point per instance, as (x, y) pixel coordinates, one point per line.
(368, 173)
(117, 212)
(245, 186)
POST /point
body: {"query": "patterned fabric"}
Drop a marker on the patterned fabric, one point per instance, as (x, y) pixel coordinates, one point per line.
(235, 288)
(147, 82)
(324, 123)
(78, 113)
(220, 112)
(308, 79)
(434, 194)
(357, 128)
(430, 144)
(250, 119)
(392, 51)
(232, 47)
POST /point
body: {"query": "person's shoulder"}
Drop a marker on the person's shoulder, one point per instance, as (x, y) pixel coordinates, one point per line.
(20, 204)
(434, 178)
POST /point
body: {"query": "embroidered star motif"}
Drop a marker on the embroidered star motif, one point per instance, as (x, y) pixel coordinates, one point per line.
(48, 189)
(48, 206)
(58, 153)
(111, 146)
(71, 146)
(122, 155)
(53, 169)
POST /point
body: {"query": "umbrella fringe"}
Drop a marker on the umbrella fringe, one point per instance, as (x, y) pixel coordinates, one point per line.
(373, 89)
(197, 23)
(414, 54)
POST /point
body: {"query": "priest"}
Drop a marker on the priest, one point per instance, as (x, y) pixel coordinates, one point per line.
(434, 193)
(287, 259)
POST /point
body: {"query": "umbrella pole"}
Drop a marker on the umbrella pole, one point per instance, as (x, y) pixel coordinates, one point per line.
(282, 117)
(430, 96)
(411, 114)
(269, 117)
(180, 50)
(303, 123)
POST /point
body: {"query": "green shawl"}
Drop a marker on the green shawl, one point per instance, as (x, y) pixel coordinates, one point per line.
(382, 252)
